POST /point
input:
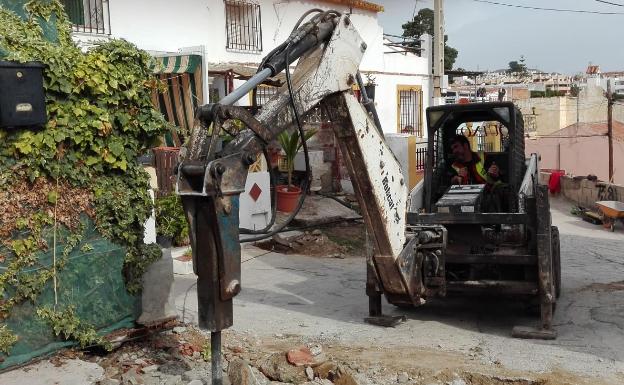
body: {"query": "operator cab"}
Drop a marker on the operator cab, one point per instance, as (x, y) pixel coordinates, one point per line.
(495, 135)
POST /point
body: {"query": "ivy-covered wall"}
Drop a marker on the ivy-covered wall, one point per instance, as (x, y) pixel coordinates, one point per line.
(73, 199)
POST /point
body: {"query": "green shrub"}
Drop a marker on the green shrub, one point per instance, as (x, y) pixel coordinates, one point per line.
(100, 119)
(170, 219)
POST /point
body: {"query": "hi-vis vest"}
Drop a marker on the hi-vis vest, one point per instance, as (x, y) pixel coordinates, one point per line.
(475, 169)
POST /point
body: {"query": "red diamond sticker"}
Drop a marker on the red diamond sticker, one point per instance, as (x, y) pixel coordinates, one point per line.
(255, 192)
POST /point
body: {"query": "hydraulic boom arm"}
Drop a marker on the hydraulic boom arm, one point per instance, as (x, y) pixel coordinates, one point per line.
(329, 51)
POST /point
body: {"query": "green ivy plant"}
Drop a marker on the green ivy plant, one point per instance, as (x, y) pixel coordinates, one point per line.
(7, 339)
(100, 119)
(65, 323)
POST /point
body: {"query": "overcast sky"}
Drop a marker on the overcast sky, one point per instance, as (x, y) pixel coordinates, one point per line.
(490, 36)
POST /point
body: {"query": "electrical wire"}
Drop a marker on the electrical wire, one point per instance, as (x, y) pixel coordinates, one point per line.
(306, 181)
(307, 160)
(302, 17)
(549, 9)
(335, 198)
(610, 3)
(570, 136)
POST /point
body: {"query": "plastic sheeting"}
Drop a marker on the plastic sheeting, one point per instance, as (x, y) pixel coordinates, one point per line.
(47, 26)
(91, 280)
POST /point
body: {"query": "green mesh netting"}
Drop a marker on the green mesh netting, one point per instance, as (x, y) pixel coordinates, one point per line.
(91, 280)
(48, 26)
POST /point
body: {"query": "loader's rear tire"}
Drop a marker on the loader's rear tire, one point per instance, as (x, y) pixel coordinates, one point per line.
(556, 259)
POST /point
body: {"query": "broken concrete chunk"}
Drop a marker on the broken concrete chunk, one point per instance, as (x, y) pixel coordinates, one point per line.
(309, 372)
(402, 378)
(173, 380)
(336, 374)
(132, 377)
(316, 350)
(318, 381)
(240, 372)
(197, 374)
(260, 378)
(300, 357)
(175, 368)
(150, 368)
(277, 368)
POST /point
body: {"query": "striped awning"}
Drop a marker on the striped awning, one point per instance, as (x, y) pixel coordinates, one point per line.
(176, 64)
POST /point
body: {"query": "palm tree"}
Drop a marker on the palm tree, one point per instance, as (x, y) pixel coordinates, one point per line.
(291, 144)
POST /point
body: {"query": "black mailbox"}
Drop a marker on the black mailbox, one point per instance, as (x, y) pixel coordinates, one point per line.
(22, 98)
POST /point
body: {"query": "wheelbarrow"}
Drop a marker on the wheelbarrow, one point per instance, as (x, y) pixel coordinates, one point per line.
(611, 211)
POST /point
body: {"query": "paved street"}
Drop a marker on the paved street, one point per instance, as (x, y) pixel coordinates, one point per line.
(324, 297)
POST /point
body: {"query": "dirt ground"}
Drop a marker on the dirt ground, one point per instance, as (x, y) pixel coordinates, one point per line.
(323, 299)
(341, 240)
(291, 300)
(183, 355)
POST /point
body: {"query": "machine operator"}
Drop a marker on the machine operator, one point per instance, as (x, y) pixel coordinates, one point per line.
(469, 167)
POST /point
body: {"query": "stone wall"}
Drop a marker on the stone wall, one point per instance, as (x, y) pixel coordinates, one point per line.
(585, 192)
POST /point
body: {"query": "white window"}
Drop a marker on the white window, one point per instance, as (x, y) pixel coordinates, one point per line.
(409, 110)
(89, 16)
(243, 26)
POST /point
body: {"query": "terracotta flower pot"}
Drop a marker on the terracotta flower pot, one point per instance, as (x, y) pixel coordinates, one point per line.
(287, 198)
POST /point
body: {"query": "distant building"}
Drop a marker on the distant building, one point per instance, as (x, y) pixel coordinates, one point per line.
(595, 77)
(581, 149)
(551, 114)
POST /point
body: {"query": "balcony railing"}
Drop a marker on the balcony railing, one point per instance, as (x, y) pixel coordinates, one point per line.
(89, 16)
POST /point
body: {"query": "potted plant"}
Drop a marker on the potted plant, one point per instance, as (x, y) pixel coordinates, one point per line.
(288, 195)
(370, 86)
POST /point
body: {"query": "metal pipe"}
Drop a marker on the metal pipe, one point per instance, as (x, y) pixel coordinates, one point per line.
(610, 128)
(244, 89)
(305, 43)
(215, 358)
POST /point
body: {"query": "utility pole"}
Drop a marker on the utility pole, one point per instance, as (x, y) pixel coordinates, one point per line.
(438, 50)
(610, 128)
(578, 97)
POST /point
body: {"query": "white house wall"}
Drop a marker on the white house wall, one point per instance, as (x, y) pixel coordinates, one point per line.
(386, 98)
(165, 26)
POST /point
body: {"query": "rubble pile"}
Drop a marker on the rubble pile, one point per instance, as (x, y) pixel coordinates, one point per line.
(182, 357)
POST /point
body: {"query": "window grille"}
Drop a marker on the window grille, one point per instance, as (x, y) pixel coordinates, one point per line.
(316, 115)
(243, 26)
(264, 93)
(410, 103)
(88, 16)
(421, 158)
